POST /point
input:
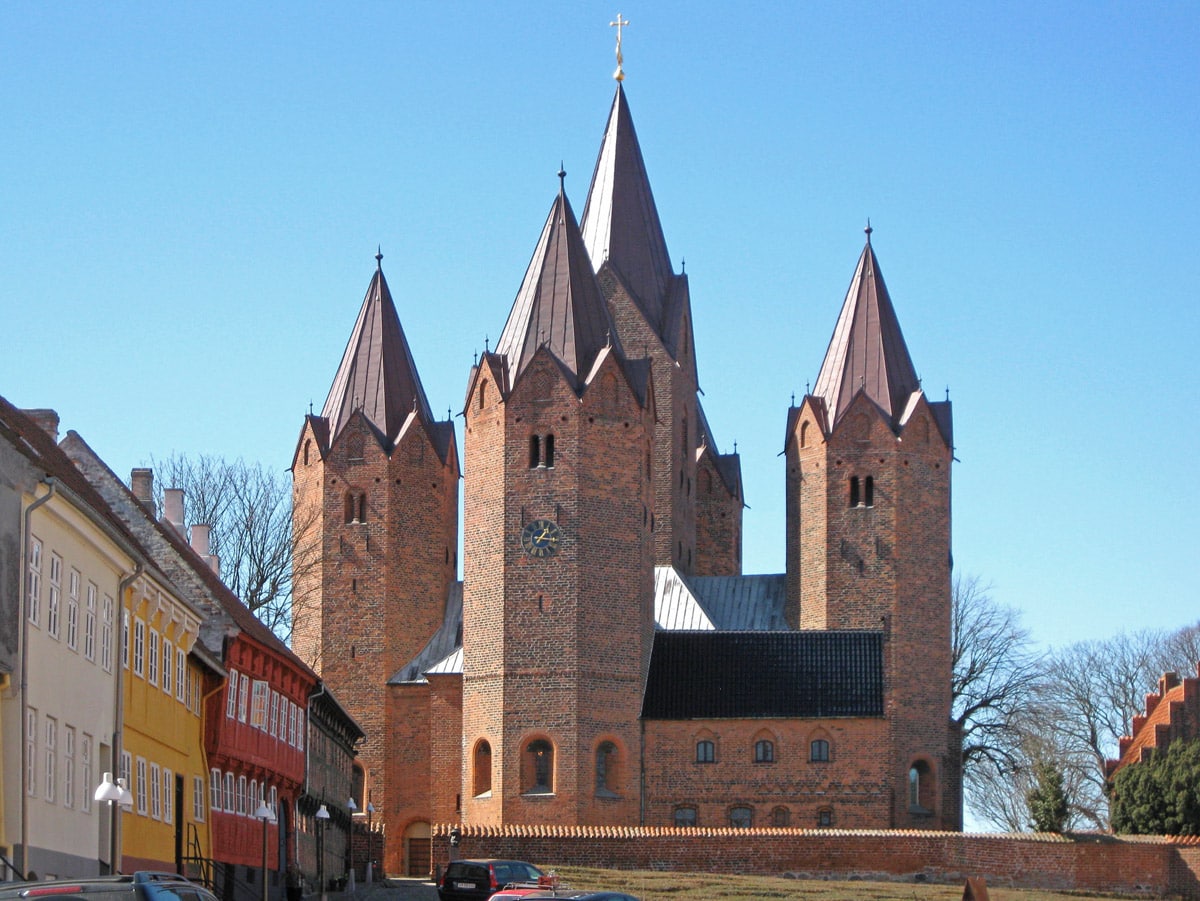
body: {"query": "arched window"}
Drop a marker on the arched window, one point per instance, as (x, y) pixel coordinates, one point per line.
(706, 751)
(550, 451)
(764, 751)
(781, 817)
(869, 491)
(825, 818)
(354, 446)
(741, 817)
(358, 786)
(538, 778)
(482, 394)
(307, 445)
(804, 434)
(685, 817)
(818, 751)
(855, 497)
(535, 451)
(920, 788)
(482, 783)
(606, 769)
(355, 507)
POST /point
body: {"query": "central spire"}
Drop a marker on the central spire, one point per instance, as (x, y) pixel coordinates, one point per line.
(620, 221)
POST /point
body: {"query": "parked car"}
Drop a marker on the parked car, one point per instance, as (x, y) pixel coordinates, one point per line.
(478, 880)
(582, 896)
(516, 893)
(140, 886)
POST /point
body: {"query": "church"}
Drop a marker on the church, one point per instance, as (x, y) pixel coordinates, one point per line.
(604, 661)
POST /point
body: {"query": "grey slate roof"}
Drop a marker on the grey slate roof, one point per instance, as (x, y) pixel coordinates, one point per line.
(377, 373)
(559, 305)
(743, 675)
(867, 351)
(443, 653)
(620, 221)
(728, 603)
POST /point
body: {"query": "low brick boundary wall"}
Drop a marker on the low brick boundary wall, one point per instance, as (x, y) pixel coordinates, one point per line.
(1152, 865)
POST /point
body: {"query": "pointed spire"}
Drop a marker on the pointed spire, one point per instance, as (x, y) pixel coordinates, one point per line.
(559, 305)
(377, 374)
(867, 350)
(620, 221)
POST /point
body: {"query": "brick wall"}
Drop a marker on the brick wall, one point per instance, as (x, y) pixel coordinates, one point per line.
(1086, 863)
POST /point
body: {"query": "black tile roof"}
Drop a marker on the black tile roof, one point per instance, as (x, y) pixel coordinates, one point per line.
(738, 675)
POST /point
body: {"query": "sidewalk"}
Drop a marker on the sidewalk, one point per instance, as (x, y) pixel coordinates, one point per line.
(384, 890)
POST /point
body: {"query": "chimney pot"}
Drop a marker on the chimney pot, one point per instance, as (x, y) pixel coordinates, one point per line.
(141, 483)
(46, 420)
(200, 539)
(173, 509)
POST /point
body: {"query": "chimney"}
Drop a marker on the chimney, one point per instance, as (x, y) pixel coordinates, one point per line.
(200, 544)
(46, 420)
(173, 509)
(141, 483)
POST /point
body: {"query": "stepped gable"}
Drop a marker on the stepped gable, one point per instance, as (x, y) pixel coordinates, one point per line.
(1172, 712)
(867, 352)
(559, 305)
(377, 374)
(620, 220)
(744, 675)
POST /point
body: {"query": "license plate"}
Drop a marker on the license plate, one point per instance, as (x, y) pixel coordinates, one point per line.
(465, 886)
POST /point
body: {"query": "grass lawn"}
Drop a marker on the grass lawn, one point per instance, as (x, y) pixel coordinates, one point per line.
(656, 886)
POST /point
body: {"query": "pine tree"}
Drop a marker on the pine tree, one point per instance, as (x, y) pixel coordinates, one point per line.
(1160, 796)
(1048, 799)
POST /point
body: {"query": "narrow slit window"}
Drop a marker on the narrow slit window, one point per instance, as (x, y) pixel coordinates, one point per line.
(550, 451)
(869, 491)
(855, 497)
(535, 451)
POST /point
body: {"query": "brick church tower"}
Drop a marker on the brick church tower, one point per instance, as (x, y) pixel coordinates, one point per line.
(558, 582)
(868, 532)
(695, 531)
(375, 514)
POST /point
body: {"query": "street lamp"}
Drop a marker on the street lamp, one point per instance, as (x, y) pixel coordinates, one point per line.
(267, 816)
(352, 807)
(117, 795)
(370, 845)
(322, 816)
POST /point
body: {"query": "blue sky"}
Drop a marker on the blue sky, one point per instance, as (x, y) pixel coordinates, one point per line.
(191, 196)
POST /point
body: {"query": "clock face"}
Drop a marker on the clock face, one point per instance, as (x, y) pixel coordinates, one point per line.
(540, 538)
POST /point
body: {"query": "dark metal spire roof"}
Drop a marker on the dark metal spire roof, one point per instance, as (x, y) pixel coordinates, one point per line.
(867, 351)
(620, 220)
(377, 374)
(559, 305)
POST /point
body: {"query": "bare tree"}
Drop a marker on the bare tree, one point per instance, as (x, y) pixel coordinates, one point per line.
(996, 673)
(249, 509)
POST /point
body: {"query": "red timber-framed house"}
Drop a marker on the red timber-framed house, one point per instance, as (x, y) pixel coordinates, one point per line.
(255, 721)
(604, 660)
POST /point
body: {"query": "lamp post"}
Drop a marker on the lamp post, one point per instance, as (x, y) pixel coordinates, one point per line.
(117, 796)
(370, 845)
(322, 816)
(267, 816)
(352, 807)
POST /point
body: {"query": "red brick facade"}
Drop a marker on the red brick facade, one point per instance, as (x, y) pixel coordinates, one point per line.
(1172, 713)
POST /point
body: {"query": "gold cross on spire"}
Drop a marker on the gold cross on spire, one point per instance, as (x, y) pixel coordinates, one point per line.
(619, 75)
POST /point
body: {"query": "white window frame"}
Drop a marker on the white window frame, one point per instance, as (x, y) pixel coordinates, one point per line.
(258, 706)
(231, 694)
(55, 596)
(139, 647)
(274, 713)
(168, 786)
(181, 676)
(215, 789)
(243, 698)
(155, 786)
(230, 793)
(198, 798)
(168, 662)
(85, 771)
(241, 796)
(51, 759)
(152, 658)
(31, 745)
(140, 791)
(33, 588)
(68, 766)
(127, 767)
(106, 635)
(73, 609)
(89, 624)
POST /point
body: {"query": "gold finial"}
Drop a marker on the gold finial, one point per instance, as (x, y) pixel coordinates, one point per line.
(619, 75)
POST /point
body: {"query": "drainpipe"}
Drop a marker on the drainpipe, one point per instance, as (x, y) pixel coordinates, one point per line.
(52, 485)
(119, 711)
